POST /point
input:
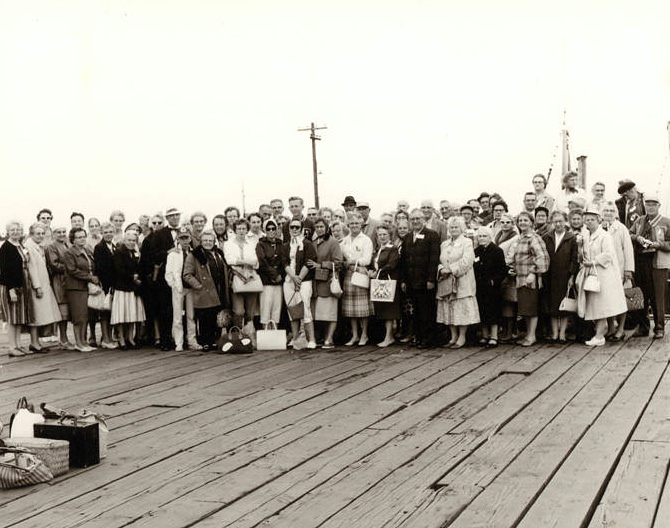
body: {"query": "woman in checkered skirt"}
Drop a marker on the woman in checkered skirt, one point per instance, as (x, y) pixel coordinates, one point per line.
(357, 251)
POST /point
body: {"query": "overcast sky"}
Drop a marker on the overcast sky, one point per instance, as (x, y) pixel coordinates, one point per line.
(146, 104)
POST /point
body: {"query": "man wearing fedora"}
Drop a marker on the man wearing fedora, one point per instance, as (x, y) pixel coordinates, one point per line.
(164, 240)
(631, 203)
(650, 234)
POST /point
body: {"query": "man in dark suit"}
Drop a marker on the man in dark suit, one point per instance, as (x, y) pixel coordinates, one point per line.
(631, 204)
(419, 259)
(163, 241)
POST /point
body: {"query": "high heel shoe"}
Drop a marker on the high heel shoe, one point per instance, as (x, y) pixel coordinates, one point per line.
(363, 341)
(37, 350)
(351, 342)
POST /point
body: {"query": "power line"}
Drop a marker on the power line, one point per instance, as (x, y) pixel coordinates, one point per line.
(314, 138)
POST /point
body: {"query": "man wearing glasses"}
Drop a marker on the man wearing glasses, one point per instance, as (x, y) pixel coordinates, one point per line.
(418, 263)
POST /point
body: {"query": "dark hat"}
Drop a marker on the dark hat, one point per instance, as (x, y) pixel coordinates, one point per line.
(625, 185)
(183, 233)
(467, 206)
(541, 208)
(349, 200)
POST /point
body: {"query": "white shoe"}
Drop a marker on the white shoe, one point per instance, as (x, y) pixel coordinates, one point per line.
(595, 341)
(386, 343)
(179, 348)
(66, 346)
(109, 346)
(311, 345)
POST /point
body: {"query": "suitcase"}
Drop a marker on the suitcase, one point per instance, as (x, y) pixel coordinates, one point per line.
(84, 439)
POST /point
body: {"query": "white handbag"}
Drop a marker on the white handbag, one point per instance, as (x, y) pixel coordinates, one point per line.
(271, 338)
(382, 290)
(360, 279)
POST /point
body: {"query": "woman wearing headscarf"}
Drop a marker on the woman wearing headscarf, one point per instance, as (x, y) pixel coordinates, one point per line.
(15, 287)
(272, 259)
(94, 233)
(205, 272)
(599, 260)
(127, 307)
(625, 256)
(561, 245)
(45, 306)
(298, 281)
(357, 250)
(79, 273)
(458, 308)
(490, 270)
(385, 266)
(328, 260)
(530, 261)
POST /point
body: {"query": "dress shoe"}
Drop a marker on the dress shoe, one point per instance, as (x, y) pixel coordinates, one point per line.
(363, 341)
(525, 343)
(457, 345)
(658, 334)
(36, 350)
(640, 332)
(595, 341)
(66, 345)
(16, 352)
(351, 342)
(386, 343)
(109, 346)
(327, 345)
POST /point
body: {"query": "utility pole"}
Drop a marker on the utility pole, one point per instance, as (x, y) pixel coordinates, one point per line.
(314, 139)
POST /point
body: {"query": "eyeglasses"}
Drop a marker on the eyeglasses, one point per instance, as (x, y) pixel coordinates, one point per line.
(294, 227)
(506, 223)
(416, 218)
(46, 217)
(270, 228)
(156, 223)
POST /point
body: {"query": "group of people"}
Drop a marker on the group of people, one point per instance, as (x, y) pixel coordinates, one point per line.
(458, 273)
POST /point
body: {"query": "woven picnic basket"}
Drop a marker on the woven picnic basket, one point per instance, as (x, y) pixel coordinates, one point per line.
(54, 453)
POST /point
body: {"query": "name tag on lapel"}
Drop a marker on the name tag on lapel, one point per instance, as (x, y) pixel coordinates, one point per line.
(420, 236)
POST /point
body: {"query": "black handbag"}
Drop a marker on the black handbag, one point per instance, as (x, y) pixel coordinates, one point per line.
(634, 298)
(234, 342)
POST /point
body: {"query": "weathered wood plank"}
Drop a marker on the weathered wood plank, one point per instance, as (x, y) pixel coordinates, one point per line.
(570, 496)
(503, 502)
(633, 493)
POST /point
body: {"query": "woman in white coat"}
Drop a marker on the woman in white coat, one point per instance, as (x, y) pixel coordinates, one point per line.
(457, 307)
(45, 306)
(599, 259)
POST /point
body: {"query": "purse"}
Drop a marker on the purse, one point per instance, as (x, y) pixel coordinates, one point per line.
(335, 288)
(296, 310)
(321, 274)
(382, 290)
(271, 338)
(508, 287)
(100, 302)
(360, 279)
(253, 284)
(234, 342)
(568, 304)
(93, 289)
(446, 288)
(592, 282)
(634, 298)
(20, 468)
(21, 422)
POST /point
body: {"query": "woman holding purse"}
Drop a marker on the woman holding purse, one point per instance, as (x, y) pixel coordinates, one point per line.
(240, 253)
(298, 282)
(490, 270)
(357, 250)
(458, 308)
(79, 274)
(328, 260)
(385, 266)
(600, 292)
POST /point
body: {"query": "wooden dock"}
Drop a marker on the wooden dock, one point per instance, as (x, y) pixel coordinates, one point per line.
(547, 436)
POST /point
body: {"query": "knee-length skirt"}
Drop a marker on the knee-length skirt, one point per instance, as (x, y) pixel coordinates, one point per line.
(355, 300)
(127, 307)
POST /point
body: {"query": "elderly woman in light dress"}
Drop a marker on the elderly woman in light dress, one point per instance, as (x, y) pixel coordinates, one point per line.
(458, 307)
(600, 266)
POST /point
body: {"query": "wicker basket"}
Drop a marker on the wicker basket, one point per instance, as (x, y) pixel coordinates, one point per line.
(54, 453)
